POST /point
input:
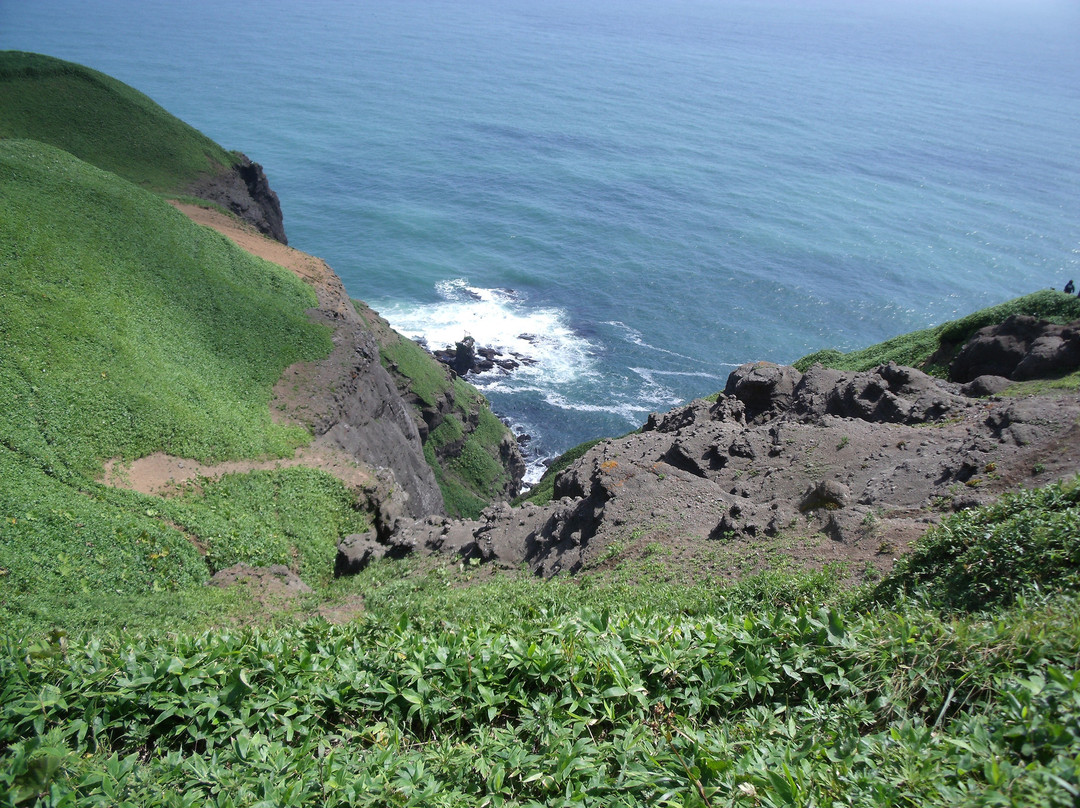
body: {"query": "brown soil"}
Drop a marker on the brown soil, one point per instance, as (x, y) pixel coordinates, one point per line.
(164, 475)
(307, 267)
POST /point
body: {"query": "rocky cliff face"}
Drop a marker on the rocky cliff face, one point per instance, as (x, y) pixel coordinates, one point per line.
(243, 189)
(350, 402)
(828, 465)
(454, 422)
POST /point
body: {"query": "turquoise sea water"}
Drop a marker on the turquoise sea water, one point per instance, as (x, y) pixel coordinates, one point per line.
(657, 190)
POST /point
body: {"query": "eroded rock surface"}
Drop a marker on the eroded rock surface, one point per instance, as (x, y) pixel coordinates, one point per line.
(1022, 347)
(866, 461)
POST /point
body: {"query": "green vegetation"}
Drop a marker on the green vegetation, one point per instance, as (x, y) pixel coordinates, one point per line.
(103, 122)
(527, 693)
(464, 447)
(1069, 383)
(779, 690)
(427, 379)
(1024, 546)
(544, 490)
(128, 330)
(933, 348)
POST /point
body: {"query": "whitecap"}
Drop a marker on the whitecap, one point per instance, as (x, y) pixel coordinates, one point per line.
(539, 337)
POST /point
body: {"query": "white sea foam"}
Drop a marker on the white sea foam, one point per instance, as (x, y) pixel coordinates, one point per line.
(503, 320)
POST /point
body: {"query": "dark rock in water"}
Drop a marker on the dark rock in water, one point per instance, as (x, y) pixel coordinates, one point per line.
(464, 356)
(244, 190)
(532, 339)
(1022, 347)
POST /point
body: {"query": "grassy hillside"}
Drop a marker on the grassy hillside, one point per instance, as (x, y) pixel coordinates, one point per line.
(931, 349)
(102, 121)
(128, 330)
(772, 692)
(463, 448)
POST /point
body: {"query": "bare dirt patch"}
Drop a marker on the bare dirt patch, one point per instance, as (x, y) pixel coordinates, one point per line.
(166, 475)
(306, 267)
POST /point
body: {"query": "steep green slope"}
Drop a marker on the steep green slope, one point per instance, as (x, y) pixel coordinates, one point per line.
(931, 349)
(103, 122)
(127, 330)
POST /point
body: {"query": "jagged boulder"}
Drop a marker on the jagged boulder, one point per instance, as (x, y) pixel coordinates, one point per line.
(763, 388)
(892, 394)
(828, 494)
(357, 550)
(1022, 347)
(985, 386)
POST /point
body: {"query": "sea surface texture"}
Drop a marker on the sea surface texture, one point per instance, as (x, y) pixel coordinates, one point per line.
(638, 195)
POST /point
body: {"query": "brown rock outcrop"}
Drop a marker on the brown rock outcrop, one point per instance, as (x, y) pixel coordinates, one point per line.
(865, 461)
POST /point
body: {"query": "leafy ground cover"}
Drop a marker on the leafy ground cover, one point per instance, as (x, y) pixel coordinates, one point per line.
(102, 121)
(128, 329)
(778, 690)
(802, 706)
(940, 343)
(1024, 545)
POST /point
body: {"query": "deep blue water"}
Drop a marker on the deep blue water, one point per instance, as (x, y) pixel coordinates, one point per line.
(659, 190)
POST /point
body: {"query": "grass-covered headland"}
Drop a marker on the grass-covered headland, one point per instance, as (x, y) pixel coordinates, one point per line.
(103, 122)
(931, 349)
(129, 330)
(124, 681)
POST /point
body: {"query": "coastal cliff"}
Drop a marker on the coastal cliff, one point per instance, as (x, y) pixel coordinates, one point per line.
(242, 188)
(824, 466)
(177, 402)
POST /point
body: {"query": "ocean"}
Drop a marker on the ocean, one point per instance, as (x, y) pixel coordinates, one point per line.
(636, 195)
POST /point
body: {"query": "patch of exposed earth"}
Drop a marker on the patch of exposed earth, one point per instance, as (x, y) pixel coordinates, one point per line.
(165, 475)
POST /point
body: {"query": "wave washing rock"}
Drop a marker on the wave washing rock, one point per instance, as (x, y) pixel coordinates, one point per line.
(864, 461)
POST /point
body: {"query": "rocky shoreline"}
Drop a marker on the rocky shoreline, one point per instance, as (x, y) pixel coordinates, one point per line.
(837, 466)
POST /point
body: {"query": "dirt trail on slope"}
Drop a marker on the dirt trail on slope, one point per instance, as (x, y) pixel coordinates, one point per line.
(164, 474)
